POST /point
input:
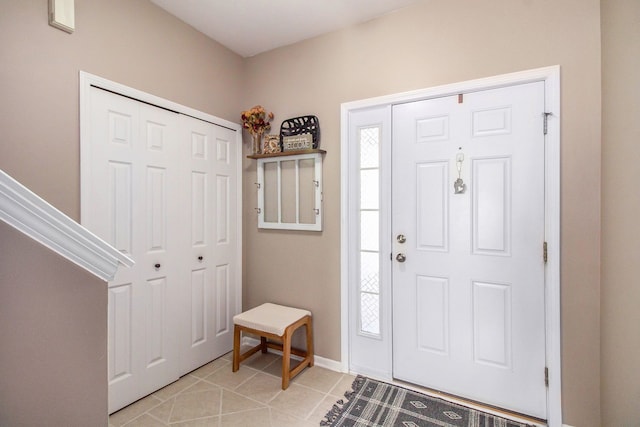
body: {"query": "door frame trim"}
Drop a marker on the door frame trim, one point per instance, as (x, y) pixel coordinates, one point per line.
(551, 78)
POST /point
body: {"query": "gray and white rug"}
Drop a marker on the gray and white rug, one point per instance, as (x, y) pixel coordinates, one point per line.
(374, 403)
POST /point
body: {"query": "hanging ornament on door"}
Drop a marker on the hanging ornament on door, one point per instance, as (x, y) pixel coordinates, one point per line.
(459, 187)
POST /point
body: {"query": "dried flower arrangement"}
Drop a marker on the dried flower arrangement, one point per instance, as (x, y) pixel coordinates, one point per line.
(257, 122)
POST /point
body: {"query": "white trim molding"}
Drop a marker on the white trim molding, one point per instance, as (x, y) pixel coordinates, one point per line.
(33, 216)
(551, 78)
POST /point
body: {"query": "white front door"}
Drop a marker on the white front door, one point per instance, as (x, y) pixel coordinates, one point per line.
(468, 299)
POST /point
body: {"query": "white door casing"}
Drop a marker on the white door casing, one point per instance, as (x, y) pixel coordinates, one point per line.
(162, 187)
(370, 352)
(469, 298)
(550, 77)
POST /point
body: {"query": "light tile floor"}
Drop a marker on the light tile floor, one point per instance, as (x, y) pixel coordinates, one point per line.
(214, 396)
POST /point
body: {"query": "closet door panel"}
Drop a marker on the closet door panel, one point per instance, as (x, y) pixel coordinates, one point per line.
(162, 187)
(196, 136)
(225, 227)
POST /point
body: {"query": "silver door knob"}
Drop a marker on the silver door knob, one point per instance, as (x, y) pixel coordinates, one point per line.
(401, 257)
(401, 238)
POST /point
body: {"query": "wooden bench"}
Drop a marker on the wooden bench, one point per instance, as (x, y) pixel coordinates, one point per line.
(274, 322)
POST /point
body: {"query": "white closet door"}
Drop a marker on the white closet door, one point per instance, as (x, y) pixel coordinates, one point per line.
(163, 188)
(211, 241)
(133, 179)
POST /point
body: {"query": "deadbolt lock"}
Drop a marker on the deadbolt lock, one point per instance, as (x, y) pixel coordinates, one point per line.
(401, 238)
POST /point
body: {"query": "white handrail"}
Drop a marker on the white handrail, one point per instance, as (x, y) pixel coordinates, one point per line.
(35, 217)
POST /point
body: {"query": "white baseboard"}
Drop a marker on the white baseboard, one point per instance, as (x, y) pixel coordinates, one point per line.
(320, 361)
(331, 364)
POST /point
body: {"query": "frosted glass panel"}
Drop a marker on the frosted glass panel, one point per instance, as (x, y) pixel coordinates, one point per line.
(369, 230)
(369, 147)
(370, 313)
(369, 189)
(369, 223)
(369, 271)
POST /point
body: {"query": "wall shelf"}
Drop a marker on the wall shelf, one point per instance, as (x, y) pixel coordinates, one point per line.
(286, 153)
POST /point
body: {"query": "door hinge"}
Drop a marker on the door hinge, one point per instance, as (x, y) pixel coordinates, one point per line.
(544, 252)
(545, 122)
(546, 376)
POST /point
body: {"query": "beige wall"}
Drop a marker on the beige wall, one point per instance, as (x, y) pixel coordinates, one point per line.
(620, 212)
(53, 334)
(435, 42)
(53, 362)
(432, 43)
(132, 42)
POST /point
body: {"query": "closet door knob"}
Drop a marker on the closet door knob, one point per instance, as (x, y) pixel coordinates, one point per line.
(200, 258)
(157, 266)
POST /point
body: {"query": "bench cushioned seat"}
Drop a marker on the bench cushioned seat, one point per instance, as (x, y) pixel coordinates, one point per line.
(268, 317)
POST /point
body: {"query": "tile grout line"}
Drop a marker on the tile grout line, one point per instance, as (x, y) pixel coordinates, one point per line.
(267, 404)
(323, 398)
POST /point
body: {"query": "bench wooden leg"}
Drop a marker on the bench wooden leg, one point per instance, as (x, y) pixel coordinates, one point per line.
(286, 358)
(309, 331)
(236, 348)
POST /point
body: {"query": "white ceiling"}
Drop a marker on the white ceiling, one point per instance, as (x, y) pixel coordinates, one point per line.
(249, 27)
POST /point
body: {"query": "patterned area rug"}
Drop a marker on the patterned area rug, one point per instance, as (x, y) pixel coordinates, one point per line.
(374, 403)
